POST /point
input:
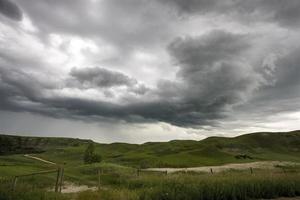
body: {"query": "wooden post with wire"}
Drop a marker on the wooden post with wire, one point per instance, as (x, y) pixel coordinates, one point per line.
(99, 180)
(61, 177)
(14, 183)
(15, 179)
(57, 179)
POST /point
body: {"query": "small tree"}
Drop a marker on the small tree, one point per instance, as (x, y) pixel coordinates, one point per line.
(90, 156)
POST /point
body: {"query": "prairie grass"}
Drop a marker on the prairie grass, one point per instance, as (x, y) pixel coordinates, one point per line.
(231, 185)
(222, 187)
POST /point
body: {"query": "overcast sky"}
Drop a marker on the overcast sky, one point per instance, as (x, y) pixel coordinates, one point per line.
(149, 70)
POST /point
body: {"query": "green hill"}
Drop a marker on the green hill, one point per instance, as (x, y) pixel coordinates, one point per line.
(176, 153)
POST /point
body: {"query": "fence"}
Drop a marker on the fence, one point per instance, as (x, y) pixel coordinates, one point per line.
(108, 176)
(4, 181)
(58, 183)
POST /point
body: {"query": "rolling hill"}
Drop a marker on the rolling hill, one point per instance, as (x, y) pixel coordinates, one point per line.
(176, 153)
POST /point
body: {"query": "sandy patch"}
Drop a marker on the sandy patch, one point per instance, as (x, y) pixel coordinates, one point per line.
(69, 187)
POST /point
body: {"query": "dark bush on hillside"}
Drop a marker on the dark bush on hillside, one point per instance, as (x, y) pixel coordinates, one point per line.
(90, 156)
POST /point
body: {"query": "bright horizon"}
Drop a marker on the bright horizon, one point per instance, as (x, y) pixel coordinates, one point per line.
(99, 142)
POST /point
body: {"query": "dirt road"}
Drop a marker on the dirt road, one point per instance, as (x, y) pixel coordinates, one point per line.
(238, 166)
(285, 198)
(39, 159)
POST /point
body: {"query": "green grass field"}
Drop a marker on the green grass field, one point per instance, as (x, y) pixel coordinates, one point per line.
(123, 184)
(120, 160)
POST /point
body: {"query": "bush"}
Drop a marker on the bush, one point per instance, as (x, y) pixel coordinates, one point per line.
(90, 156)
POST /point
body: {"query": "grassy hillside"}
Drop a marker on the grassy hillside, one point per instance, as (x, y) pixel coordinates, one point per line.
(212, 151)
(119, 176)
(177, 153)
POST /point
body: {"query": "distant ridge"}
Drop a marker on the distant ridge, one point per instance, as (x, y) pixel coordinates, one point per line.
(14, 144)
(258, 146)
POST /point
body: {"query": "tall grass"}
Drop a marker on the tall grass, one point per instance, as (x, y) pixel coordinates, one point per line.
(27, 192)
(228, 187)
(232, 185)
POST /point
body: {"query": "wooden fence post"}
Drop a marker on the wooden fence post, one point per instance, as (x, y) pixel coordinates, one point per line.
(99, 183)
(211, 171)
(15, 179)
(61, 178)
(14, 183)
(251, 170)
(57, 180)
(166, 172)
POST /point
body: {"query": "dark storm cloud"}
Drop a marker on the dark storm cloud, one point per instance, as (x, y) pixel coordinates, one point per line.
(214, 68)
(198, 53)
(208, 82)
(199, 6)
(101, 77)
(286, 87)
(215, 71)
(10, 10)
(285, 13)
(287, 70)
(21, 92)
(104, 80)
(180, 114)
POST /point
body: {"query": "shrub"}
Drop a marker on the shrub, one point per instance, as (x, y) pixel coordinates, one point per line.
(90, 156)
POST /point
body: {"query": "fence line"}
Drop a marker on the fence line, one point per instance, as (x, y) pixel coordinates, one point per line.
(99, 172)
(58, 182)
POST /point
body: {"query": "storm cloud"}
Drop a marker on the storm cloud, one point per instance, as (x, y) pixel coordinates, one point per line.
(212, 77)
(100, 77)
(278, 11)
(10, 10)
(193, 66)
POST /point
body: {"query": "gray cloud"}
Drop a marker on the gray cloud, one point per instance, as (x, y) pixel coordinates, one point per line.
(209, 81)
(285, 13)
(101, 77)
(214, 68)
(125, 24)
(287, 71)
(10, 10)
(207, 84)
(162, 61)
(20, 91)
(199, 6)
(212, 77)
(199, 53)
(286, 86)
